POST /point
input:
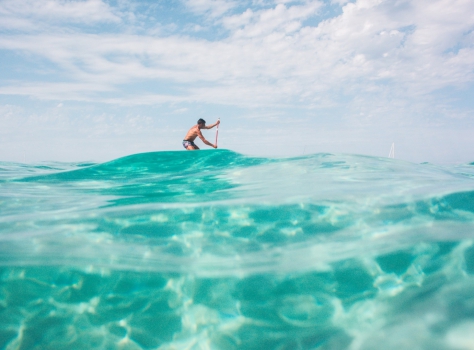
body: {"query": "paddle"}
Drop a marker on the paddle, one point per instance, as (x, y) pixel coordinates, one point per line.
(217, 131)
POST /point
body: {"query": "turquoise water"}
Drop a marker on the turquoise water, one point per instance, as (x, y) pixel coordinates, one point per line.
(216, 250)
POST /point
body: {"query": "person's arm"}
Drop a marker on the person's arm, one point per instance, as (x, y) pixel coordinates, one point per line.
(205, 141)
(212, 125)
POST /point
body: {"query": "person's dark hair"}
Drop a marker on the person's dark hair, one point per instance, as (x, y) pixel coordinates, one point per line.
(201, 121)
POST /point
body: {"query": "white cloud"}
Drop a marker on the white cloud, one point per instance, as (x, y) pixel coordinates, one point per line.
(269, 57)
(264, 22)
(213, 8)
(351, 83)
(27, 14)
(56, 91)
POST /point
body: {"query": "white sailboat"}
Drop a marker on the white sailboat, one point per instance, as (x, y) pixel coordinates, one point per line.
(392, 151)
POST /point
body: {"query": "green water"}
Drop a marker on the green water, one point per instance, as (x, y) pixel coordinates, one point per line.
(216, 250)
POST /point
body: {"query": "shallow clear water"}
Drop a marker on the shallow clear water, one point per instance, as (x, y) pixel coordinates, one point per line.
(216, 250)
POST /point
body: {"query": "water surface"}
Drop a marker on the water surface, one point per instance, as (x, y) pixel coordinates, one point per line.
(217, 250)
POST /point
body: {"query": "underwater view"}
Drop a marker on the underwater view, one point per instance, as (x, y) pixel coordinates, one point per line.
(218, 250)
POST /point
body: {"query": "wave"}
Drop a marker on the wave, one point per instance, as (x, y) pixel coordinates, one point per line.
(223, 213)
(217, 250)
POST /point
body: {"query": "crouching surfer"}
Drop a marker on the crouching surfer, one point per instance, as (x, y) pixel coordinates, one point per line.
(194, 132)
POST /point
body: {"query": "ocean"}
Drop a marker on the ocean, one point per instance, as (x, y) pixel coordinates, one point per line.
(218, 250)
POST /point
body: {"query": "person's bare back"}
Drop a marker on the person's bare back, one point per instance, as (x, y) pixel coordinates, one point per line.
(194, 132)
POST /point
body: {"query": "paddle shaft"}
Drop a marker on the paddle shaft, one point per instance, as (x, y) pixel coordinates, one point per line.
(217, 132)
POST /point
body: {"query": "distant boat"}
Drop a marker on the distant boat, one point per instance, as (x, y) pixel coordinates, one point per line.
(392, 151)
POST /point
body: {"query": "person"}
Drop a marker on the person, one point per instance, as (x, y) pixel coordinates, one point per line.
(194, 132)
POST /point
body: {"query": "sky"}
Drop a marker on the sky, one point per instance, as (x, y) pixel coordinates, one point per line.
(94, 80)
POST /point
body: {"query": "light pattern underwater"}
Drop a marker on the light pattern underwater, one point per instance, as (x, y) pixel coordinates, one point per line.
(217, 250)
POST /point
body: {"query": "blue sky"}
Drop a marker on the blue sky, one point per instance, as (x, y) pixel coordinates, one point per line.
(96, 80)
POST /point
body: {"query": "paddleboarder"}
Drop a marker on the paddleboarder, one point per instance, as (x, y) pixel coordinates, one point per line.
(194, 132)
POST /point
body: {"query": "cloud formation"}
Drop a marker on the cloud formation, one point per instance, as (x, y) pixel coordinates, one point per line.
(212, 8)
(418, 46)
(364, 55)
(31, 14)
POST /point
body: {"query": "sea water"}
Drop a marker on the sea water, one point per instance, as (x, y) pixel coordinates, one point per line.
(217, 250)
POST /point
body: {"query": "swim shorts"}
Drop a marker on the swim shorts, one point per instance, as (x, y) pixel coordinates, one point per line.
(187, 143)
